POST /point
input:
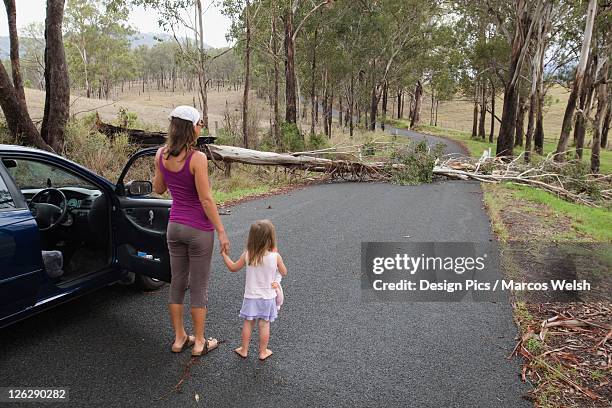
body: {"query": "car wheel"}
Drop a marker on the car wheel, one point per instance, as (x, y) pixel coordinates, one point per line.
(148, 284)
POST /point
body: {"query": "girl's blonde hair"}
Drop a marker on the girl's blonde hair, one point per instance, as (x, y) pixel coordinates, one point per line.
(262, 238)
(181, 135)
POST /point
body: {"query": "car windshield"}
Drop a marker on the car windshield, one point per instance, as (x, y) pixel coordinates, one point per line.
(30, 174)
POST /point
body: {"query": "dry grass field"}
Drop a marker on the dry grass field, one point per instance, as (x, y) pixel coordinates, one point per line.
(458, 114)
(153, 107)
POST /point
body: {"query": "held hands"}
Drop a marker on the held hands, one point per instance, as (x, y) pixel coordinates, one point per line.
(223, 242)
(275, 285)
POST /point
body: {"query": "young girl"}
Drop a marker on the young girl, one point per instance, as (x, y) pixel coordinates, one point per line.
(260, 291)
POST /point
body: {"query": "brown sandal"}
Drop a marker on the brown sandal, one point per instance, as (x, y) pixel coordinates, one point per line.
(189, 341)
(206, 349)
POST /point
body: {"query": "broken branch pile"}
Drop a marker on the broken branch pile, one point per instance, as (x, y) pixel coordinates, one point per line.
(568, 353)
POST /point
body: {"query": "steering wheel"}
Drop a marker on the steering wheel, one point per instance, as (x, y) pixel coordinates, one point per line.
(47, 215)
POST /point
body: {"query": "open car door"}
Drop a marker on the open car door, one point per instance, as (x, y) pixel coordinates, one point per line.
(140, 223)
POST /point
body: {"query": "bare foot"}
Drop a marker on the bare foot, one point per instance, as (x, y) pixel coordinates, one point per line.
(241, 353)
(263, 355)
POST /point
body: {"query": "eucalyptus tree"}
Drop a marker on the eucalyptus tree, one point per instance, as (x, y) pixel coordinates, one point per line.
(578, 81)
(179, 15)
(57, 95)
(33, 58)
(97, 43)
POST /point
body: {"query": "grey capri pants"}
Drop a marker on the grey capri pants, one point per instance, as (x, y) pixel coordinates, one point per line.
(190, 257)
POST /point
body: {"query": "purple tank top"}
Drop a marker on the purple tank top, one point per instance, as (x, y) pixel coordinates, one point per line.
(186, 206)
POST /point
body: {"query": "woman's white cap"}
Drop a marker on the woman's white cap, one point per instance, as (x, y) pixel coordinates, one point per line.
(186, 112)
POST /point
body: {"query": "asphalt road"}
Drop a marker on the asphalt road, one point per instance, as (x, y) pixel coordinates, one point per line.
(111, 348)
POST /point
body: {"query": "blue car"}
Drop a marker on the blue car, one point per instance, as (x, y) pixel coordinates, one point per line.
(65, 231)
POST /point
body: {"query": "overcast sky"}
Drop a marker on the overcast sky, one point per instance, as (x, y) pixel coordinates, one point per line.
(215, 24)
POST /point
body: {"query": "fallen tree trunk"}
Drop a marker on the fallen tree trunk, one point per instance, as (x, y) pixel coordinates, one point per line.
(347, 162)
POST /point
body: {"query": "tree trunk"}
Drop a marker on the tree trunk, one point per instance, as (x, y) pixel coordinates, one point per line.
(57, 86)
(436, 117)
(340, 111)
(276, 121)
(399, 104)
(492, 131)
(330, 115)
(290, 97)
(483, 113)
(416, 111)
(566, 127)
(602, 106)
(475, 117)
(384, 106)
(584, 102)
(533, 101)
(11, 13)
(202, 80)
(606, 125)
(247, 72)
(325, 101)
(351, 104)
(17, 118)
(313, 67)
(520, 122)
(538, 137)
(523, 32)
(373, 108)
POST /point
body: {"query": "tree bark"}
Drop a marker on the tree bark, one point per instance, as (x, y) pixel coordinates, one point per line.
(566, 127)
(520, 122)
(492, 131)
(384, 105)
(416, 111)
(276, 121)
(483, 113)
(475, 116)
(330, 116)
(522, 36)
(313, 68)
(11, 12)
(202, 80)
(373, 108)
(17, 118)
(290, 97)
(606, 125)
(584, 102)
(602, 107)
(399, 104)
(247, 72)
(351, 104)
(57, 85)
(538, 137)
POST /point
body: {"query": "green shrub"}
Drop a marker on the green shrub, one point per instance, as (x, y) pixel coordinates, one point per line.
(267, 143)
(318, 141)
(418, 162)
(227, 138)
(126, 118)
(5, 135)
(96, 151)
(291, 137)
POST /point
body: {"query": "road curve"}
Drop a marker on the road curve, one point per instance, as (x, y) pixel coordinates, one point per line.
(111, 348)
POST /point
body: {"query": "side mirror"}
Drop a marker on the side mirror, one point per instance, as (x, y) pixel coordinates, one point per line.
(139, 188)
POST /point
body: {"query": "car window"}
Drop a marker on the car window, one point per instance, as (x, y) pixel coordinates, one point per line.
(30, 174)
(143, 169)
(6, 200)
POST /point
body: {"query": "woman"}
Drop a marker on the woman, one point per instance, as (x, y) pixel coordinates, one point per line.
(193, 220)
